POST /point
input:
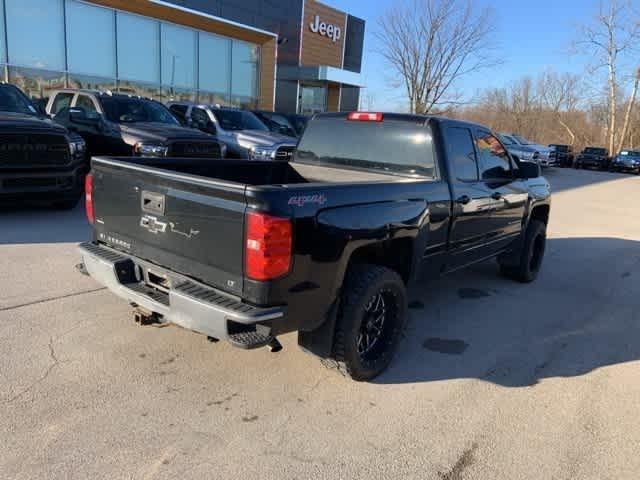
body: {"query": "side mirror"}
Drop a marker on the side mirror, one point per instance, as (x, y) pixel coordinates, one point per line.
(529, 170)
(211, 128)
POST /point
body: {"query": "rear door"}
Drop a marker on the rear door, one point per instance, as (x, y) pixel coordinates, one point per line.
(184, 223)
(471, 225)
(180, 112)
(92, 132)
(509, 195)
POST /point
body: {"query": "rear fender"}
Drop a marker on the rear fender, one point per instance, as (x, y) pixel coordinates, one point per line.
(361, 229)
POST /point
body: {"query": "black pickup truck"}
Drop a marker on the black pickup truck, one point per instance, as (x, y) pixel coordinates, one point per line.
(324, 245)
(561, 155)
(593, 157)
(118, 124)
(40, 161)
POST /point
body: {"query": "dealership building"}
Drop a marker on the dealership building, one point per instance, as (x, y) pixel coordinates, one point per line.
(288, 55)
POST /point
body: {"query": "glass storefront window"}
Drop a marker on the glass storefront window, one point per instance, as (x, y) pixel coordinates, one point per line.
(35, 29)
(215, 64)
(3, 46)
(313, 99)
(36, 83)
(210, 98)
(91, 83)
(178, 95)
(243, 102)
(108, 49)
(140, 89)
(91, 39)
(178, 56)
(244, 69)
(138, 48)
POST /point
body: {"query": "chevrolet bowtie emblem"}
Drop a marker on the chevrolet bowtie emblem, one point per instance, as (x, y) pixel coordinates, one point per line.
(152, 224)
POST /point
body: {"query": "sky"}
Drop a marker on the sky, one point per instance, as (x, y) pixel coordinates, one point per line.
(530, 36)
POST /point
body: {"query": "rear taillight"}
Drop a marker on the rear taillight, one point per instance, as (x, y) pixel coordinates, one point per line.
(365, 116)
(88, 200)
(267, 246)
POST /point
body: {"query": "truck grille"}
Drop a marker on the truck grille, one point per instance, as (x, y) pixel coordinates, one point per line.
(284, 154)
(33, 150)
(37, 182)
(195, 149)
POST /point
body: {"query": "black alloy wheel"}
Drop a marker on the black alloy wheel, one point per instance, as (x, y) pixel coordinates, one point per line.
(373, 308)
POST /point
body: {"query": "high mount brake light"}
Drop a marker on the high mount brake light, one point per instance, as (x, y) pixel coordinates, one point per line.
(365, 116)
(267, 246)
(88, 197)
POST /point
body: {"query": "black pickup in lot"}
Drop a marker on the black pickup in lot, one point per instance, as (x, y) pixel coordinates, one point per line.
(593, 157)
(325, 245)
(118, 124)
(40, 161)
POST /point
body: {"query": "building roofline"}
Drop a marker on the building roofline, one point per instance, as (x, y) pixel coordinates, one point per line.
(213, 17)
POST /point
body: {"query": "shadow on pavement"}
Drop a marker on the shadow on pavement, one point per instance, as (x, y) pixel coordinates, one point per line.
(563, 179)
(582, 313)
(42, 225)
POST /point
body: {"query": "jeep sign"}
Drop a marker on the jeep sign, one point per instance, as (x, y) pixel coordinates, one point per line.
(331, 31)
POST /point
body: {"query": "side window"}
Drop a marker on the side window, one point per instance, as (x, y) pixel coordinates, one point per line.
(507, 140)
(180, 112)
(461, 153)
(199, 117)
(86, 103)
(494, 160)
(62, 100)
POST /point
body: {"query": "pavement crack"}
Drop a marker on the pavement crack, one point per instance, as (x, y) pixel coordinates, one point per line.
(465, 461)
(50, 299)
(54, 363)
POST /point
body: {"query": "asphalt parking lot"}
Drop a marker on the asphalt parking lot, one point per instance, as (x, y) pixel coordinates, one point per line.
(494, 380)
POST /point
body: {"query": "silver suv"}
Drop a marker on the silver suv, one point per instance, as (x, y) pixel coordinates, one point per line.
(527, 150)
(243, 133)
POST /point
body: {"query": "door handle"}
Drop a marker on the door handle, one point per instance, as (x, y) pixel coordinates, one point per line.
(496, 196)
(463, 200)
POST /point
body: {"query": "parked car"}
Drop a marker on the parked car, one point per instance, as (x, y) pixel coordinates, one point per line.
(116, 124)
(593, 157)
(562, 155)
(285, 123)
(626, 161)
(243, 133)
(324, 245)
(515, 148)
(39, 159)
(543, 152)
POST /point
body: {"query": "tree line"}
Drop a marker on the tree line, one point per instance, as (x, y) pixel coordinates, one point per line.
(431, 45)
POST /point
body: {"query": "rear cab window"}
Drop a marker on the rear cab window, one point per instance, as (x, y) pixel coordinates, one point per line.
(399, 145)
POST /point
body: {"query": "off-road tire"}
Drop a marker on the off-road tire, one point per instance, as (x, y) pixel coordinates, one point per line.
(530, 256)
(363, 283)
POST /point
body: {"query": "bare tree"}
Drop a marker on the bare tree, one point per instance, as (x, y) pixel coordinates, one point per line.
(432, 44)
(627, 116)
(549, 108)
(611, 35)
(559, 95)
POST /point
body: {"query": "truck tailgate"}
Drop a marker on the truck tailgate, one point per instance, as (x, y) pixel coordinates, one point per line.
(188, 224)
